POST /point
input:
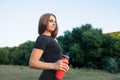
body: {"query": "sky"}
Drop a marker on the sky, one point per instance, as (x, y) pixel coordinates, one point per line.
(19, 18)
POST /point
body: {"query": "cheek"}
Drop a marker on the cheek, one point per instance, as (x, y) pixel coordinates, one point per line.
(48, 27)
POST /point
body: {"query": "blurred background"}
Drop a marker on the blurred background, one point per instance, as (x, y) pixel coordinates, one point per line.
(89, 32)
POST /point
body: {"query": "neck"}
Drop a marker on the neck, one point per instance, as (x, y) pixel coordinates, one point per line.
(47, 33)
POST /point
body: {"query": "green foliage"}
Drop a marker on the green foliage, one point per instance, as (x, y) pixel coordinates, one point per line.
(77, 56)
(4, 55)
(116, 47)
(23, 53)
(76, 35)
(86, 27)
(16, 55)
(115, 34)
(118, 62)
(108, 44)
(110, 64)
(91, 39)
(86, 47)
(12, 55)
(65, 41)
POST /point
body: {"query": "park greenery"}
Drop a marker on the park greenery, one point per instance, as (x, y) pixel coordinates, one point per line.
(87, 47)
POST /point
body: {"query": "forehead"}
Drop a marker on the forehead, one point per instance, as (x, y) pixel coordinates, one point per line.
(52, 17)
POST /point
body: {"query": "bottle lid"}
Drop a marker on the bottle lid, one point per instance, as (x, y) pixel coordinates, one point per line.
(65, 56)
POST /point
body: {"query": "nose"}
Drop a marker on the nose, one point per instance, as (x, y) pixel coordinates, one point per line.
(54, 23)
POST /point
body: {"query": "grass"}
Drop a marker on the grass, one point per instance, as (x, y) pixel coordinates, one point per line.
(9, 72)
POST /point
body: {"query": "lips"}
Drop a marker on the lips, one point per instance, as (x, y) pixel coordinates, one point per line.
(53, 27)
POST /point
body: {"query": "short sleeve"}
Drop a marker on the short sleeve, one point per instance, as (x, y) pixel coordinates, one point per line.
(41, 43)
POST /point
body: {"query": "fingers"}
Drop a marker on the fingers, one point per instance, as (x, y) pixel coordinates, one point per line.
(65, 61)
(61, 65)
(64, 65)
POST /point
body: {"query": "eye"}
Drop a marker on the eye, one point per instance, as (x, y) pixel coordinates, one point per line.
(50, 20)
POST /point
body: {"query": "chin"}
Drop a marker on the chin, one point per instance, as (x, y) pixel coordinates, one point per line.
(52, 30)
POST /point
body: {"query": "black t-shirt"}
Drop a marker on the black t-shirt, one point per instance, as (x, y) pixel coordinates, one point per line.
(52, 53)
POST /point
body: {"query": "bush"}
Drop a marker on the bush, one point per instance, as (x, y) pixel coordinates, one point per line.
(110, 64)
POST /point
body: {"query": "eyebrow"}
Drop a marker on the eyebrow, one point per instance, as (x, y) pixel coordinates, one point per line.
(52, 20)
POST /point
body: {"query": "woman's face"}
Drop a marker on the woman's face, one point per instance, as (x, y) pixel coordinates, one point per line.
(51, 24)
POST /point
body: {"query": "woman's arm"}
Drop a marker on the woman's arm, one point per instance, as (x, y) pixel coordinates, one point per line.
(35, 62)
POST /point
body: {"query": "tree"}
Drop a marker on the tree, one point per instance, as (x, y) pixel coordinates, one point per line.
(22, 53)
(108, 45)
(4, 55)
(25, 50)
(77, 56)
(110, 64)
(12, 55)
(66, 41)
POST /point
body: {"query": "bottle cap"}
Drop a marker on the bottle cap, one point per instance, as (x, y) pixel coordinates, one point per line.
(65, 56)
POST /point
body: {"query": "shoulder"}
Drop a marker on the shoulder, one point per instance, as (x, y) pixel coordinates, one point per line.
(43, 38)
(41, 42)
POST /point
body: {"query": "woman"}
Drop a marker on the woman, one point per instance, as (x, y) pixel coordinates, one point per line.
(47, 47)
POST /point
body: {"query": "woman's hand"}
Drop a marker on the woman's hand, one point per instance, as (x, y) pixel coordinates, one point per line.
(61, 65)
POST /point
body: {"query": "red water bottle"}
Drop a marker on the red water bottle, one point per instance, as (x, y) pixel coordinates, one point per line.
(60, 73)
